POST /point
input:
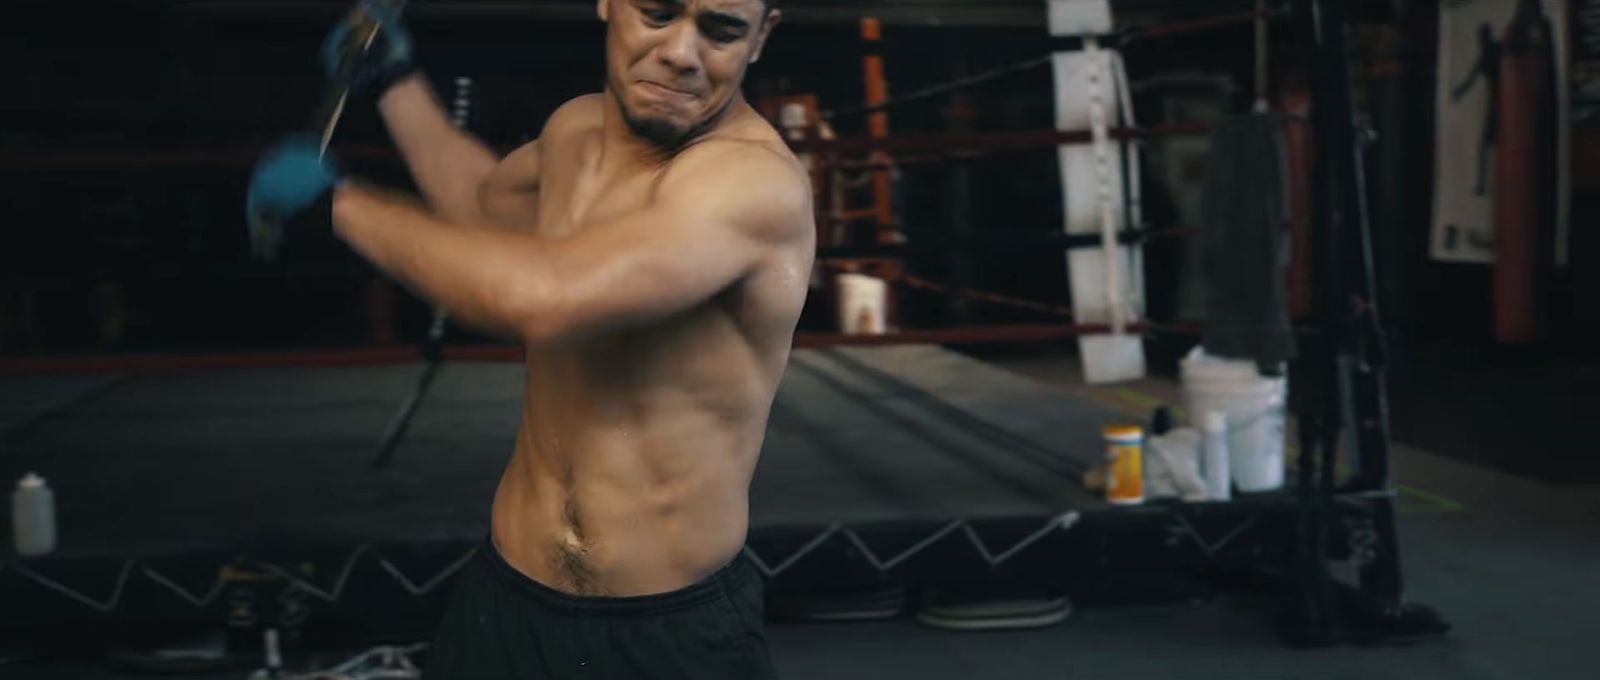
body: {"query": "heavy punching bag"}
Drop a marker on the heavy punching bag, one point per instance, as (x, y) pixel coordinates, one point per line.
(1525, 192)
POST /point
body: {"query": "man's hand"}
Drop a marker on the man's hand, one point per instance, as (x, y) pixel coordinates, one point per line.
(388, 59)
(290, 178)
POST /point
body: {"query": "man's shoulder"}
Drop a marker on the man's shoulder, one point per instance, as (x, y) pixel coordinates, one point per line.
(578, 113)
(759, 185)
(745, 137)
(744, 160)
(756, 167)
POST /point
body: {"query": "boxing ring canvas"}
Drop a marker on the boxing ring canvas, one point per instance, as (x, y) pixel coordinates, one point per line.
(181, 496)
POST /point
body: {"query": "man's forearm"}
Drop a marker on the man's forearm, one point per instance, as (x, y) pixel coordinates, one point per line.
(449, 165)
(484, 277)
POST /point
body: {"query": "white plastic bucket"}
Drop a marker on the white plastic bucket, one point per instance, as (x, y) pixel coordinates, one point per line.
(863, 301)
(1255, 411)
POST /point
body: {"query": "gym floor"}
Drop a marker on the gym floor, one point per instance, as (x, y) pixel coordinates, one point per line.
(1509, 560)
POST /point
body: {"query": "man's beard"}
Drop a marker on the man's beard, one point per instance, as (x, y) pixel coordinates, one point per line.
(657, 131)
(662, 133)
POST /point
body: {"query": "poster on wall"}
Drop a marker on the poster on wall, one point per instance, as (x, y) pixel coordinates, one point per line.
(1470, 32)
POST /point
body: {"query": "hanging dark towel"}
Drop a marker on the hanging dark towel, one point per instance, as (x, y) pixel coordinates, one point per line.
(1244, 211)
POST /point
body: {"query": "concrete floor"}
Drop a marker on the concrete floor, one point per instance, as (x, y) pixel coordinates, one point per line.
(1511, 561)
(1531, 416)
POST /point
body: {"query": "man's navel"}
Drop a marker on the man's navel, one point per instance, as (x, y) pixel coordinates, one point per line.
(571, 551)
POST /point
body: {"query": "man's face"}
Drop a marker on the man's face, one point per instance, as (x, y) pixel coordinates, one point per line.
(675, 65)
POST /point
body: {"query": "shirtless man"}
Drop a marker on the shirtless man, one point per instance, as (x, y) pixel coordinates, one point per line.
(651, 250)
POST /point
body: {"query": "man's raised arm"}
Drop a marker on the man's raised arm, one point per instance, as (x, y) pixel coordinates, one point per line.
(722, 209)
(449, 165)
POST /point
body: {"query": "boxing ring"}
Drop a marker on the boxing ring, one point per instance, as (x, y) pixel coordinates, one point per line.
(278, 492)
(905, 465)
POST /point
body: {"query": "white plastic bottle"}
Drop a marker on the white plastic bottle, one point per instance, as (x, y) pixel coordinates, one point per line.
(33, 517)
(1214, 451)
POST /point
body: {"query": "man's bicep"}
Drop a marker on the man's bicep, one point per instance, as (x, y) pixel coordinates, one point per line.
(509, 196)
(645, 267)
(708, 232)
(711, 227)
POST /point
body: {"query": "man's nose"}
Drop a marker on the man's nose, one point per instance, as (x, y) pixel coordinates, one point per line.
(681, 51)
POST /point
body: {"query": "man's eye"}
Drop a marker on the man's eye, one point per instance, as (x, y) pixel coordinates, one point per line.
(659, 17)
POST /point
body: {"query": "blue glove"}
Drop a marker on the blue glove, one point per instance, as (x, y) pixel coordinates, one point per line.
(388, 59)
(289, 179)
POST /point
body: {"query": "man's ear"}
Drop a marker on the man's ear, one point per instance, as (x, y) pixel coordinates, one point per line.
(773, 17)
(603, 8)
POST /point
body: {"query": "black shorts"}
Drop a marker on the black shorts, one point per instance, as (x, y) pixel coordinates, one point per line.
(502, 624)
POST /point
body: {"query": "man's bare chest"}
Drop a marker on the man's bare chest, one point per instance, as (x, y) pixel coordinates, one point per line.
(577, 191)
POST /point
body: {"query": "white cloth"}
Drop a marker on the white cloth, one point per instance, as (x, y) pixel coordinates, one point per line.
(1172, 468)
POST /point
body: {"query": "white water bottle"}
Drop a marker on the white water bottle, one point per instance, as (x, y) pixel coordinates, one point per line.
(33, 517)
(1214, 451)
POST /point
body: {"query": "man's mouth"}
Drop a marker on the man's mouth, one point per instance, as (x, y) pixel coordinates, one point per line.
(667, 91)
